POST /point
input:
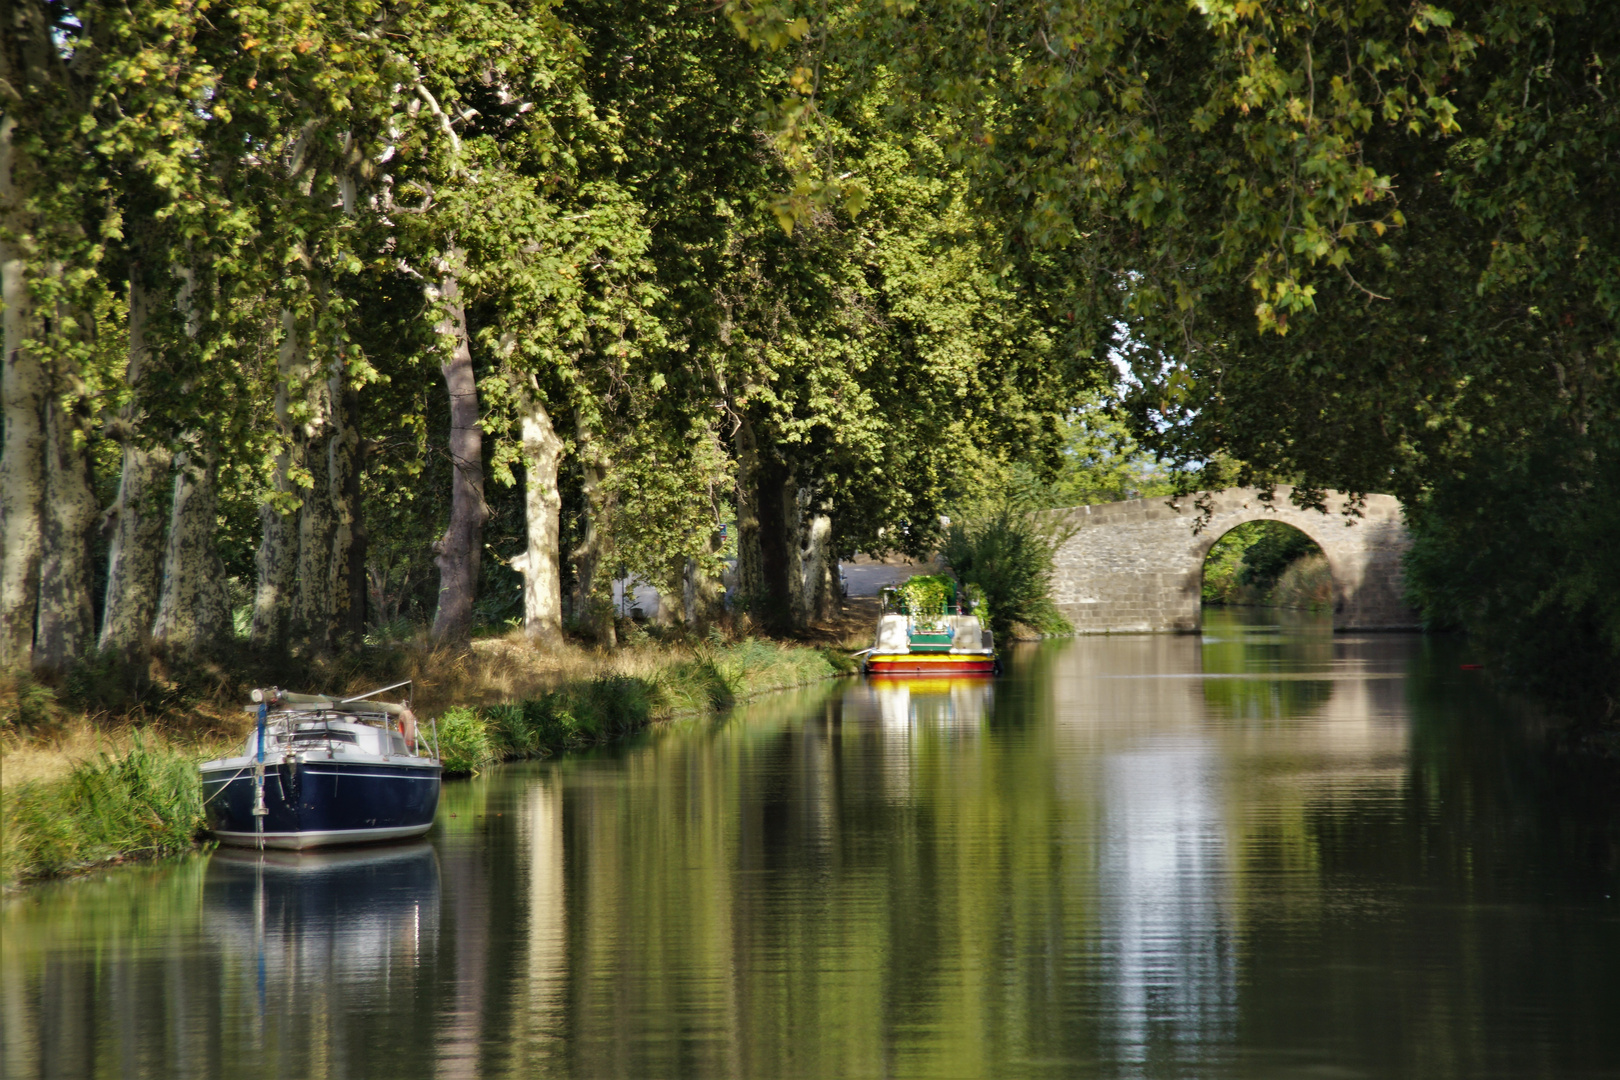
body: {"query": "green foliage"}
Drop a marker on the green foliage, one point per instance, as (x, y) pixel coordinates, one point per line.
(26, 705)
(465, 745)
(304, 181)
(1099, 462)
(1307, 583)
(107, 681)
(839, 661)
(1275, 548)
(1007, 554)
(924, 597)
(1519, 551)
(1245, 565)
(148, 802)
(722, 675)
(576, 715)
(1223, 568)
(978, 603)
(987, 215)
(1160, 128)
(1360, 246)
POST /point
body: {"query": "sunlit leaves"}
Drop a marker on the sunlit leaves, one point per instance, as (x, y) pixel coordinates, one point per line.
(1101, 99)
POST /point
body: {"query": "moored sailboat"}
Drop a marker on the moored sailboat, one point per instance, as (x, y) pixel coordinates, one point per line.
(320, 770)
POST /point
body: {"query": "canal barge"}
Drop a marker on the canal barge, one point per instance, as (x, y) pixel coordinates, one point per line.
(929, 627)
(319, 770)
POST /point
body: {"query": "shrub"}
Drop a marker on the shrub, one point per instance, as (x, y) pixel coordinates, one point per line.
(464, 741)
(1007, 554)
(1517, 548)
(1223, 569)
(1307, 583)
(24, 703)
(1247, 564)
(511, 732)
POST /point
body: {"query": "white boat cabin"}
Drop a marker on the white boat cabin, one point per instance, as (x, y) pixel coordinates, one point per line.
(320, 737)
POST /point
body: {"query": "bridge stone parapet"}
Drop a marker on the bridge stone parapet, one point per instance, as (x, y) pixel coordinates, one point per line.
(1138, 565)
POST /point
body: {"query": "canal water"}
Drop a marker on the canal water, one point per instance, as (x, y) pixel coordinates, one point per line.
(1269, 851)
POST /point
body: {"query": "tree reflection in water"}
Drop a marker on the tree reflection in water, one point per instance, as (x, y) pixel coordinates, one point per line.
(1263, 851)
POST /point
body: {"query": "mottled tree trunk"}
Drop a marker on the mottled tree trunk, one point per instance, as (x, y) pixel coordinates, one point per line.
(750, 563)
(342, 492)
(670, 611)
(593, 589)
(312, 602)
(23, 387)
(22, 495)
(67, 622)
(542, 561)
(795, 534)
(277, 560)
(355, 617)
(458, 551)
(135, 552)
(821, 568)
(194, 608)
(812, 573)
(703, 596)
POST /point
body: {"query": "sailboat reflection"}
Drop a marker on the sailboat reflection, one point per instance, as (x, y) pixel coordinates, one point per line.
(958, 702)
(315, 919)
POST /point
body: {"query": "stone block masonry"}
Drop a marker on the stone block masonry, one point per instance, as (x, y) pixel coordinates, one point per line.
(1136, 566)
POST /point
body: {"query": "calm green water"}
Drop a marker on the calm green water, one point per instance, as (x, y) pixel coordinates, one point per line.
(1271, 852)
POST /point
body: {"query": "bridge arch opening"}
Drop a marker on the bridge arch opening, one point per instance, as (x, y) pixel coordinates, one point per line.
(1267, 563)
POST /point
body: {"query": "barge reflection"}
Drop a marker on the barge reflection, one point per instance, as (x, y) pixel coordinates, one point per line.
(963, 701)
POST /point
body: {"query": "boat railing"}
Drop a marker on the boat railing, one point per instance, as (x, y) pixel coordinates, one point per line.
(357, 708)
(307, 724)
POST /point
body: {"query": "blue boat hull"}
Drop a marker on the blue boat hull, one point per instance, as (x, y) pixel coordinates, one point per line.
(326, 801)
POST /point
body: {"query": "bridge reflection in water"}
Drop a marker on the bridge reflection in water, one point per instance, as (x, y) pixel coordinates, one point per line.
(1265, 851)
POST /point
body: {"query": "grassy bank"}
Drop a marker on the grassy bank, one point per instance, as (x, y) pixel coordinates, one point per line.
(81, 790)
(142, 803)
(583, 713)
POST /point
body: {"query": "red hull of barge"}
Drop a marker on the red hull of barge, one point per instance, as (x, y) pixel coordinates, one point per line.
(927, 664)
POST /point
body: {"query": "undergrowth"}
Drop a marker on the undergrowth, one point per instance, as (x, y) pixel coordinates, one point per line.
(148, 801)
(1007, 554)
(1267, 563)
(587, 712)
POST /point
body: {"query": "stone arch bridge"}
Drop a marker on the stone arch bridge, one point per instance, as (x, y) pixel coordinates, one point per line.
(1138, 566)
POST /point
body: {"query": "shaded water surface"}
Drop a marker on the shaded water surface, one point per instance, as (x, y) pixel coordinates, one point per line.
(1268, 852)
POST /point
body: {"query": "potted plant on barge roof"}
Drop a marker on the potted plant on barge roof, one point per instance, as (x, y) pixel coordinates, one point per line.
(930, 625)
